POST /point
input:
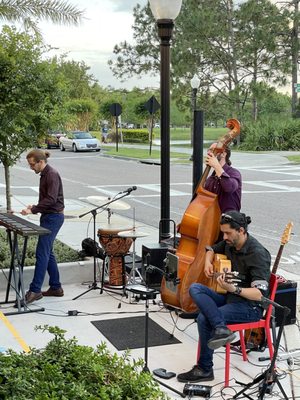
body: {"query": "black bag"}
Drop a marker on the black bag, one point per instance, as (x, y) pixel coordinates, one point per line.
(92, 248)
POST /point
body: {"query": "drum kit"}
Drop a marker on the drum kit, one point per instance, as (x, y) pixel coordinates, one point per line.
(116, 240)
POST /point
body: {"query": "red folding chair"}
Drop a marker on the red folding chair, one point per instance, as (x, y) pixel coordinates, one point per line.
(264, 323)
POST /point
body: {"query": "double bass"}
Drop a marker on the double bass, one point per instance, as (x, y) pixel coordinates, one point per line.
(199, 228)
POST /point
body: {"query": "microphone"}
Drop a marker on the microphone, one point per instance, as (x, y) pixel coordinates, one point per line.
(129, 190)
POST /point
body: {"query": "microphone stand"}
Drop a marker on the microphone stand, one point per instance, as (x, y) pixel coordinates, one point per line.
(94, 213)
(269, 376)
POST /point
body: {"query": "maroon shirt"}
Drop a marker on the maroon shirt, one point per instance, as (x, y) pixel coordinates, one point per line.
(228, 188)
(51, 197)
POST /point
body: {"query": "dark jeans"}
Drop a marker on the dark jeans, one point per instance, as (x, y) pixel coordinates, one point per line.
(214, 312)
(45, 259)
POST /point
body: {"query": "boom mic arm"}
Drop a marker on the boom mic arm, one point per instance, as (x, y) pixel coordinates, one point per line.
(169, 276)
(129, 190)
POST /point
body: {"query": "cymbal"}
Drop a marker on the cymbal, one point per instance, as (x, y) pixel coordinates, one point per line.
(115, 205)
(109, 228)
(133, 234)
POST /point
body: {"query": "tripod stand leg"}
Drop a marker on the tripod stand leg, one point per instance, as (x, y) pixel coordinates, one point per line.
(93, 287)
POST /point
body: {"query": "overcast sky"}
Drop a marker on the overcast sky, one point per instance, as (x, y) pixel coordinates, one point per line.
(106, 23)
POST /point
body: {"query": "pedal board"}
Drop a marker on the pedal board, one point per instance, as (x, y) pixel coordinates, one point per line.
(197, 390)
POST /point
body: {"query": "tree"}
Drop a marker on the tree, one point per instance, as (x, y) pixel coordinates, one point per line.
(78, 79)
(84, 112)
(26, 11)
(31, 93)
(261, 52)
(231, 46)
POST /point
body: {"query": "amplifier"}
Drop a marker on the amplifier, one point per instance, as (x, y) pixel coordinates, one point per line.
(154, 254)
(286, 295)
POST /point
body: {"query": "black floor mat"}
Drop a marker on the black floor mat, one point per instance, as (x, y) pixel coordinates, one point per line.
(129, 333)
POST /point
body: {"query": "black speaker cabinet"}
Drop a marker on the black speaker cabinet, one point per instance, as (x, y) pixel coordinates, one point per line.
(286, 295)
(153, 254)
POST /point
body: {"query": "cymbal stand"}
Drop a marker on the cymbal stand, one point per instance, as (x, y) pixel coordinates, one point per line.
(94, 285)
(109, 214)
(132, 275)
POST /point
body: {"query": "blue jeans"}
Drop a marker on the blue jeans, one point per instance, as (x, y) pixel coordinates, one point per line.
(214, 312)
(45, 259)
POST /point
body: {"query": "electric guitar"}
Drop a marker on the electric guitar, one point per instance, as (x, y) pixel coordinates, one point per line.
(255, 338)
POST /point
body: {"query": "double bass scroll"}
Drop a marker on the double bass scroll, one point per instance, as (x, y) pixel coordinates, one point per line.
(199, 227)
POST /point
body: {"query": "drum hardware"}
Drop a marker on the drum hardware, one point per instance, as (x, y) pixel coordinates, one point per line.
(109, 214)
(93, 212)
(133, 234)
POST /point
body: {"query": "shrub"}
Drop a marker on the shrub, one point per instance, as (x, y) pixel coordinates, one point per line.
(132, 135)
(65, 370)
(63, 253)
(272, 134)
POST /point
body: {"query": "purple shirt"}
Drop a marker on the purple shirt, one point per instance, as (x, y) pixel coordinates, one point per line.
(51, 197)
(228, 188)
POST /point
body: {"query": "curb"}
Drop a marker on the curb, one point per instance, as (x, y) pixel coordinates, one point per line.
(72, 272)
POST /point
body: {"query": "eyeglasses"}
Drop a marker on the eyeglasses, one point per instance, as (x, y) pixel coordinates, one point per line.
(228, 218)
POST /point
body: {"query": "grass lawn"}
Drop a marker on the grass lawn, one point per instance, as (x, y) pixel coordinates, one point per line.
(295, 159)
(184, 133)
(142, 154)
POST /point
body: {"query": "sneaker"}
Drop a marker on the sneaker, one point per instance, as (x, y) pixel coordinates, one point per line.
(54, 292)
(196, 374)
(32, 296)
(222, 336)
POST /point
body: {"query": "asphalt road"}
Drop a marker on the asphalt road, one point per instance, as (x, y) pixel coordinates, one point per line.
(271, 187)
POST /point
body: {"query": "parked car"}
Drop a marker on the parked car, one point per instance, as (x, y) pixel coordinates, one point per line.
(52, 140)
(79, 141)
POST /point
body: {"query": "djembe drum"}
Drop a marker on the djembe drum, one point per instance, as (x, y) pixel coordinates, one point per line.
(116, 248)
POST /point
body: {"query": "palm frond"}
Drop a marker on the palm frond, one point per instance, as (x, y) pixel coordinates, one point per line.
(56, 11)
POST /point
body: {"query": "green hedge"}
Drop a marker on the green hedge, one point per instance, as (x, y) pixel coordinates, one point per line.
(132, 135)
(271, 134)
(63, 253)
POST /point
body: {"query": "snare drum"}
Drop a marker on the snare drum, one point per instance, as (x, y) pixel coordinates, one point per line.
(115, 248)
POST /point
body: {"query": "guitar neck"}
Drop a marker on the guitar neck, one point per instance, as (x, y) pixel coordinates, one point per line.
(278, 257)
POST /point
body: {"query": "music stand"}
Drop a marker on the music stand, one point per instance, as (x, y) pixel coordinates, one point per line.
(147, 294)
(270, 375)
(94, 285)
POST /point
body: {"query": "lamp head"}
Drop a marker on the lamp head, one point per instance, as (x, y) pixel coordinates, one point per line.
(195, 82)
(165, 9)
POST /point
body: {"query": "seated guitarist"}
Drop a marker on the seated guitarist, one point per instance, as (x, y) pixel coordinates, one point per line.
(240, 304)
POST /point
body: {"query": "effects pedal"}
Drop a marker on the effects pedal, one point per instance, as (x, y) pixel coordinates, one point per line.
(163, 373)
(197, 390)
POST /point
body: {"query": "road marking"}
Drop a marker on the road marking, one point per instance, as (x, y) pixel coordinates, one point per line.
(14, 332)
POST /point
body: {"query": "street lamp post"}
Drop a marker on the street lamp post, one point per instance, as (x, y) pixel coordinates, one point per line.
(196, 133)
(165, 12)
(195, 83)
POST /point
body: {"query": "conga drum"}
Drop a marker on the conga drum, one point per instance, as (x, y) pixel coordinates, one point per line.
(116, 248)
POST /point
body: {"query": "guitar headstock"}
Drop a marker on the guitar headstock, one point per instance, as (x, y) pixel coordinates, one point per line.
(287, 233)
